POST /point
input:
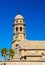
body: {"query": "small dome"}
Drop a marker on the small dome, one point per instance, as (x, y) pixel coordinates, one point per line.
(19, 17)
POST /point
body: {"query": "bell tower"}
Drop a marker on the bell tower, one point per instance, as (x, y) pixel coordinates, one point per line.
(19, 34)
(19, 28)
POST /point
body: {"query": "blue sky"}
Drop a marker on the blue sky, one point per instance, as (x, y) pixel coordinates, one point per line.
(33, 12)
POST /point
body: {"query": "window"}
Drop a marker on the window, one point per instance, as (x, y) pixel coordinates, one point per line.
(16, 28)
(16, 44)
(16, 21)
(25, 57)
(20, 28)
(20, 21)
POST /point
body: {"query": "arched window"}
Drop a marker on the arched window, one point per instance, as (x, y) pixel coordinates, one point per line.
(20, 21)
(16, 44)
(20, 28)
(16, 28)
(16, 21)
(25, 57)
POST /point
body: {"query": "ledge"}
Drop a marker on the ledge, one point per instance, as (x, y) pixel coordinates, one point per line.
(24, 61)
(18, 24)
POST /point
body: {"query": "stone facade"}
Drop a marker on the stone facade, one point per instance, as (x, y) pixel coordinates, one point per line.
(25, 49)
(21, 63)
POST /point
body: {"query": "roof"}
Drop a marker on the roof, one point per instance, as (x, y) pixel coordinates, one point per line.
(19, 17)
(26, 44)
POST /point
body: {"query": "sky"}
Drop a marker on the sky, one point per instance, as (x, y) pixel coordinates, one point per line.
(33, 12)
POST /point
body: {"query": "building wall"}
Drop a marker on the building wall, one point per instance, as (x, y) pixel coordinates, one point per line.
(22, 63)
(32, 54)
(19, 35)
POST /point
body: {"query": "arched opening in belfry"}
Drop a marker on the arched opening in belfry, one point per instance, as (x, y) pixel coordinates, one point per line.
(20, 28)
(16, 28)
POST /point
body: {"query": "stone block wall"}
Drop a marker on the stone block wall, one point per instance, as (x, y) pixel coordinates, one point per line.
(21, 63)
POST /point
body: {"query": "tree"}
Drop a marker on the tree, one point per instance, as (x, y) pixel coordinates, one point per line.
(4, 52)
(11, 53)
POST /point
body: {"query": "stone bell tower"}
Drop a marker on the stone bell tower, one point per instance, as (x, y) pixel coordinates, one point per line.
(19, 33)
(19, 28)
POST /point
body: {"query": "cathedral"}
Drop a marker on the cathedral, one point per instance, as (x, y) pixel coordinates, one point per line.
(27, 52)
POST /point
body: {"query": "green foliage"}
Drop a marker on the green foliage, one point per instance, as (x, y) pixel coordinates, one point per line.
(6, 52)
(11, 52)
